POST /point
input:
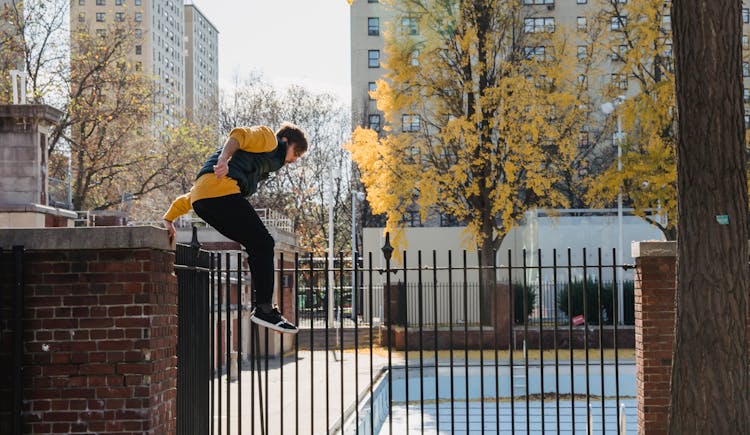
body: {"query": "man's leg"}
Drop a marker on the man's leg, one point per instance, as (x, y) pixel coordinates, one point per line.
(236, 219)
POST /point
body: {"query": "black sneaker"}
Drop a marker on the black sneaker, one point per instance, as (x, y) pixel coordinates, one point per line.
(273, 320)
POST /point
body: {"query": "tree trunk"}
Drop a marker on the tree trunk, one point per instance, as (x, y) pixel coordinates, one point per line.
(710, 391)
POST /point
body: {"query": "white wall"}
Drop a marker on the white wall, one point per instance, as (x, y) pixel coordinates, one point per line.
(574, 229)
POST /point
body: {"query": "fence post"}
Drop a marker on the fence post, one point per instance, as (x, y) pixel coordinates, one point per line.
(18, 340)
(387, 252)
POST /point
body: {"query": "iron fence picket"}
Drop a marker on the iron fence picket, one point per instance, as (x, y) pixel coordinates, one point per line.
(18, 334)
(406, 339)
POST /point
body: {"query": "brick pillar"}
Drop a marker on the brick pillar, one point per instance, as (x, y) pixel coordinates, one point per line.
(100, 324)
(655, 274)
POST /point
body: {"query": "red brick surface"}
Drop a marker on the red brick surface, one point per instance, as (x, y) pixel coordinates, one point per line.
(654, 338)
(100, 342)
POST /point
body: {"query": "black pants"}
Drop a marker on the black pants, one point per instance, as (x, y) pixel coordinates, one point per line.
(236, 219)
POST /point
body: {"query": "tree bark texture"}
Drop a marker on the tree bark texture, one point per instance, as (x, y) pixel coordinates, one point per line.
(710, 390)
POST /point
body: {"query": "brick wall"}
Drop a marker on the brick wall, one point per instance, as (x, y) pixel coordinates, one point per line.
(654, 338)
(100, 334)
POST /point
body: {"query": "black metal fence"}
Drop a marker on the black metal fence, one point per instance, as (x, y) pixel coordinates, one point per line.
(411, 362)
(12, 335)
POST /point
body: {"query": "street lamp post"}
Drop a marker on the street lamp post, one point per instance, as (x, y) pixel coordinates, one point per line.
(330, 292)
(356, 196)
(607, 108)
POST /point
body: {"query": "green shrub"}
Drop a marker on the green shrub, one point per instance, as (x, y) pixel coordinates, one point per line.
(518, 315)
(593, 310)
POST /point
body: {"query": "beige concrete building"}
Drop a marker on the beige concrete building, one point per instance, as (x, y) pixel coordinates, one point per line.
(369, 18)
(201, 64)
(160, 50)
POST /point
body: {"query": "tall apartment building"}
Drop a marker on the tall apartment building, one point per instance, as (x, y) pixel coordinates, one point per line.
(161, 48)
(369, 18)
(201, 64)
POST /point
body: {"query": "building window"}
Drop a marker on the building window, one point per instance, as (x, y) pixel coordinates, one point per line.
(137, 2)
(81, 2)
(373, 26)
(620, 81)
(668, 48)
(373, 122)
(539, 25)
(745, 42)
(373, 58)
(100, 17)
(447, 220)
(81, 17)
(620, 52)
(372, 1)
(539, 2)
(745, 15)
(409, 123)
(745, 69)
(101, 33)
(583, 139)
(138, 17)
(138, 49)
(535, 53)
(581, 24)
(100, 2)
(415, 58)
(581, 53)
(138, 33)
(409, 25)
(619, 23)
(412, 219)
(371, 87)
(581, 2)
(747, 121)
(583, 82)
(746, 95)
(118, 2)
(120, 16)
(139, 66)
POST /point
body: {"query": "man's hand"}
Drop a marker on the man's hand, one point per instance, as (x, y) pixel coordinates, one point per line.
(221, 168)
(170, 229)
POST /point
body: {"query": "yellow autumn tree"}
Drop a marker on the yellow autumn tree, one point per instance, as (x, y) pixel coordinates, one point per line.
(482, 112)
(638, 46)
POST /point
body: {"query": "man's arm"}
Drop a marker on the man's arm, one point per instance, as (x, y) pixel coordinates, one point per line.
(221, 168)
(179, 207)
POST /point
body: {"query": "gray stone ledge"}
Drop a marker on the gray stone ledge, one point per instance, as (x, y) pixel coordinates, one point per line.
(37, 208)
(654, 249)
(39, 111)
(85, 238)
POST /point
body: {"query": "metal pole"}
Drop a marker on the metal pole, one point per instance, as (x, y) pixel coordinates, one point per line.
(329, 290)
(18, 307)
(620, 305)
(354, 257)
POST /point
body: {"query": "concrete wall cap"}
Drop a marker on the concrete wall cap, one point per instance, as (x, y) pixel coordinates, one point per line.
(86, 238)
(39, 111)
(37, 208)
(654, 249)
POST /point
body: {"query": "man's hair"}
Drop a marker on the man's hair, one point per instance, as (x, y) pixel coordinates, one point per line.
(294, 135)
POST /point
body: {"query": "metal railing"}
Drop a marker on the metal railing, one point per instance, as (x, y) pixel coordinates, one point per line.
(385, 370)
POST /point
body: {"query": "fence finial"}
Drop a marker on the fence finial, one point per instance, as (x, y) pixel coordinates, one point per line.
(387, 248)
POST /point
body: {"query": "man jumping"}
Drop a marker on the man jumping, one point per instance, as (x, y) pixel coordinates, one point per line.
(229, 175)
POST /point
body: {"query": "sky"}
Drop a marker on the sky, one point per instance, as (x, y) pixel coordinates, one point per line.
(303, 42)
